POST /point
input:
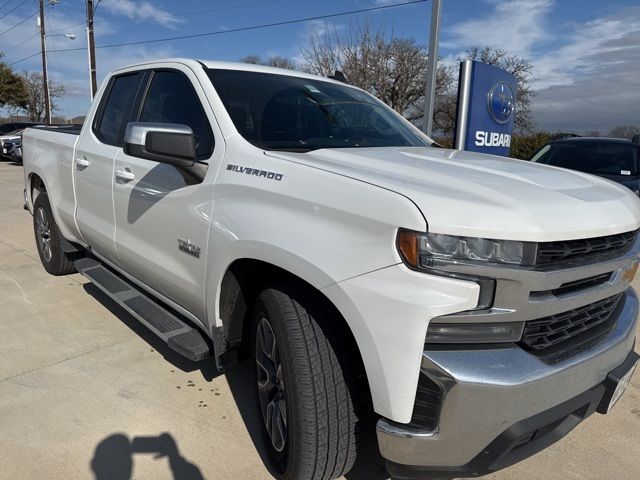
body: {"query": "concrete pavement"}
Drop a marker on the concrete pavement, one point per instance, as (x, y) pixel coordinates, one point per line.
(85, 392)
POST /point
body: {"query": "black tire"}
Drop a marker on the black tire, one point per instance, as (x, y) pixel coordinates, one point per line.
(49, 241)
(321, 422)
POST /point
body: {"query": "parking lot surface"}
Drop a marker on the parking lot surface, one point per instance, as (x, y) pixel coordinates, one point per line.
(85, 392)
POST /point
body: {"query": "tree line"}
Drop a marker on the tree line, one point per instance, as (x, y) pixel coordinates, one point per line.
(394, 70)
(22, 93)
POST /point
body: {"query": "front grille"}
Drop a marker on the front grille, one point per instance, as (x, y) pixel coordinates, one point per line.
(565, 330)
(426, 410)
(550, 252)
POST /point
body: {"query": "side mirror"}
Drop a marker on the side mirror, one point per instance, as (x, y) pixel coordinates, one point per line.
(161, 142)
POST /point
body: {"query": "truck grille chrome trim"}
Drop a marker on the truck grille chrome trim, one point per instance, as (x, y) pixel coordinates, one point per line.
(575, 286)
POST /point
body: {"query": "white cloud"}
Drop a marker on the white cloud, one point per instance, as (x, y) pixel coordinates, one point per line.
(517, 24)
(592, 81)
(590, 48)
(142, 11)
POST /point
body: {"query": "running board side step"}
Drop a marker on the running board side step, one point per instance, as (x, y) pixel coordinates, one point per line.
(175, 332)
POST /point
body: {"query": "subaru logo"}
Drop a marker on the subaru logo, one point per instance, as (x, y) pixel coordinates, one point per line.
(501, 102)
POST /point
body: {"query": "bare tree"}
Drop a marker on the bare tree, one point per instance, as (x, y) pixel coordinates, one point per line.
(520, 68)
(592, 133)
(272, 61)
(624, 131)
(34, 106)
(392, 69)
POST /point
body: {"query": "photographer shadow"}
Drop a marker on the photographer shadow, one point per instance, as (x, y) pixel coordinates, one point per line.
(113, 457)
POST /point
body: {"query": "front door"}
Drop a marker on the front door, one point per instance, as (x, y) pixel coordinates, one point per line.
(162, 215)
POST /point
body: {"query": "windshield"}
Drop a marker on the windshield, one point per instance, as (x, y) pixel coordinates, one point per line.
(597, 157)
(281, 112)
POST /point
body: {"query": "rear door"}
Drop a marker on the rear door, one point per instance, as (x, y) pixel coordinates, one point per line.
(163, 215)
(94, 160)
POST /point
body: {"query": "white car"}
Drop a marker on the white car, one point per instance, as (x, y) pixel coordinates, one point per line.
(6, 142)
(479, 305)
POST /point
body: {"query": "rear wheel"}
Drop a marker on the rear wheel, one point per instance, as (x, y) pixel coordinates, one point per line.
(49, 241)
(302, 386)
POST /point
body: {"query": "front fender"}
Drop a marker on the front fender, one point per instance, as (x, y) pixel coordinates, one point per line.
(388, 312)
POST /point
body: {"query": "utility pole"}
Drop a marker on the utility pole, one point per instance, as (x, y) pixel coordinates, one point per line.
(91, 48)
(432, 66)
(45, 76)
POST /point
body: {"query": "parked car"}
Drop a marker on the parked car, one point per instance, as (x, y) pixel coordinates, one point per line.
(7, 143)
(480, 305)
(613, 158)
(13, 149)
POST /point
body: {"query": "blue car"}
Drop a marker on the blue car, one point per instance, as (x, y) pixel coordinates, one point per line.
(614, 158)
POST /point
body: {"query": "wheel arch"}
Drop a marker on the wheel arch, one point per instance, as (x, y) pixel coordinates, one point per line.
(35, 182)
(239, 287)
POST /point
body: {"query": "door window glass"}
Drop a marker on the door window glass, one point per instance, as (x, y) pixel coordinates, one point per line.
(172, 99)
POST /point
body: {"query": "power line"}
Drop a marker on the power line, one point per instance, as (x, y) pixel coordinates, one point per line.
(240, 29)
(14, 8)
(20, 44)
(5, 4)
(253, 27)
(232, 7)
(25, 58)
(19, 23)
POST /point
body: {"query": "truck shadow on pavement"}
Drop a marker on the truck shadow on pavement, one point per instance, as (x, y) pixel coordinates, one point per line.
(113, 457)
(369, 465)
(206, 367)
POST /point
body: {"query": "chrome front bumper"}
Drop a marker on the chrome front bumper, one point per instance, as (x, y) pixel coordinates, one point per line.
(490, 389)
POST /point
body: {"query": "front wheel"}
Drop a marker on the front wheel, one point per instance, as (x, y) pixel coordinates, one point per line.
(302, 386)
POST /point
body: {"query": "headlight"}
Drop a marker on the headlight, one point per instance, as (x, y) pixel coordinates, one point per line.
(420, 250)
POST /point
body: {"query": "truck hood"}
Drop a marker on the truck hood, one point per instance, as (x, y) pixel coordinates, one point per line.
(479, 195)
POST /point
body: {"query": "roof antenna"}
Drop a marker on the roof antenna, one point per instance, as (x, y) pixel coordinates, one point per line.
(339, 76)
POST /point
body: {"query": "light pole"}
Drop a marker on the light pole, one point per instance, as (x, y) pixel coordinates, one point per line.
(91, 48)
(432, 66)
(43, 49)
(45, 73)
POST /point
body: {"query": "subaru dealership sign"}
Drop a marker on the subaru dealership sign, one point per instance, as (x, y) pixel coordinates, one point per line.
(486, 108)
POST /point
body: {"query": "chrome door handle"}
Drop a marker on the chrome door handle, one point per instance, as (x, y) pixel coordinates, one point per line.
(82, 162)
(125, 174)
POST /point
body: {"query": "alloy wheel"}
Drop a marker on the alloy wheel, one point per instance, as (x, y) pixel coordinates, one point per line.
(43, 232)
(271, 388)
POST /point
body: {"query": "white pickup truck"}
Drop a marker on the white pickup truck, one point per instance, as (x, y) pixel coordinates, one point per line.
(479, 305)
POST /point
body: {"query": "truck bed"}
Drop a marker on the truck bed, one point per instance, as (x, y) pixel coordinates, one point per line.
(70, 129)
(48, 153)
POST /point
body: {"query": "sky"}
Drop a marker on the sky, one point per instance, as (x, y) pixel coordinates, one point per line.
(585, 53)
